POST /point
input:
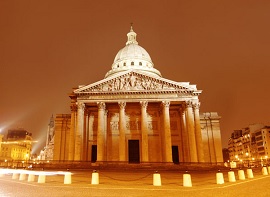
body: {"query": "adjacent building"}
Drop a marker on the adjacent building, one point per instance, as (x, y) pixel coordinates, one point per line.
(250, 144)
(17, 146)
(134, 115)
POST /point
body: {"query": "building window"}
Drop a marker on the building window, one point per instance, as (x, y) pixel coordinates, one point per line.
(140, 64)
(125, 64)
(132, 63)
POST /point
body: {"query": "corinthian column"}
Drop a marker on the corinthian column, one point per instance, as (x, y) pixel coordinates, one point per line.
(79, 131)
(73, 108)
(167, 131)
(144, 130)
(198, 133)
(100, 131)
(191, 132)
(122, 131)
(186, 155)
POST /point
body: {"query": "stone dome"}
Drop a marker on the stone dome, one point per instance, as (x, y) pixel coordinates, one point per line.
(132, 57)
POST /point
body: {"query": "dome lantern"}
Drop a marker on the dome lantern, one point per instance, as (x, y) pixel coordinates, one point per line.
(132, 57)
(131, 37)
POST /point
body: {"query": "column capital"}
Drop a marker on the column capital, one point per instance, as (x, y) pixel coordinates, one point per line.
(196, 105)
(188, 104)
(122, 104)
(165, 104)
(101, 105)
(144, 104)
(80, 105)
(73, 108)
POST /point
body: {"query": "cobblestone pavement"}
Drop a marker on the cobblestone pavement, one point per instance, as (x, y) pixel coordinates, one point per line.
(136, 183)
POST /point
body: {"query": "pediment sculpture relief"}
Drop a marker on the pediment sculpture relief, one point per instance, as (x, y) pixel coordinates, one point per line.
(132, 81)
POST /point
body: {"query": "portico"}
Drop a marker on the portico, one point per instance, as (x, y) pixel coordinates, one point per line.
(110, 125)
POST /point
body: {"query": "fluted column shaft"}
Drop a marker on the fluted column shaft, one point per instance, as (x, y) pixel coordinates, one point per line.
(79, 132)
(144, 129)
(167, 131)
(186, 154)
(198, 133)
(100, 131)
(73, 108)
(191, 132)
(122, 131)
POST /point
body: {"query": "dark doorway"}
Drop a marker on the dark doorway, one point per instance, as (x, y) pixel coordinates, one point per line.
(133, 151)
(94, 153)
(175, 154)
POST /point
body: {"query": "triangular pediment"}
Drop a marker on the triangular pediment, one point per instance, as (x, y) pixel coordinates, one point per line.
(134, 81)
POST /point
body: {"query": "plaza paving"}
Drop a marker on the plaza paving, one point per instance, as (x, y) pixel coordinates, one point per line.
(137, 183)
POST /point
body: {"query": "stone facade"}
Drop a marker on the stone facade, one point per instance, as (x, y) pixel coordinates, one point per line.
(250, 144)
(17, 146)
(135, 115)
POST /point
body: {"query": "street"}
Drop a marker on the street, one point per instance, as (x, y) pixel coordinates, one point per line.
(139, 183)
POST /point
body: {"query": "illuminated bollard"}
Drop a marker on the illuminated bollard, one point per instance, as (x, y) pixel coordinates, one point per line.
(31, 178)
(250, 173)
(156, 179)
(231, 176)
(22, 176)
(41, 178)
(219, 177)
(241, 175)
(95, 178)
(67, 179)
(264, 171)
(15, 175)
(187, 180)
(2, 173)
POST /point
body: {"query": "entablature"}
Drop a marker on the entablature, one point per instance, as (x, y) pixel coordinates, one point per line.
(135, 82)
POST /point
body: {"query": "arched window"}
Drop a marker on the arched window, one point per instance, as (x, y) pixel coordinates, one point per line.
(132, 63)
(140, 64)
(125, 64)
